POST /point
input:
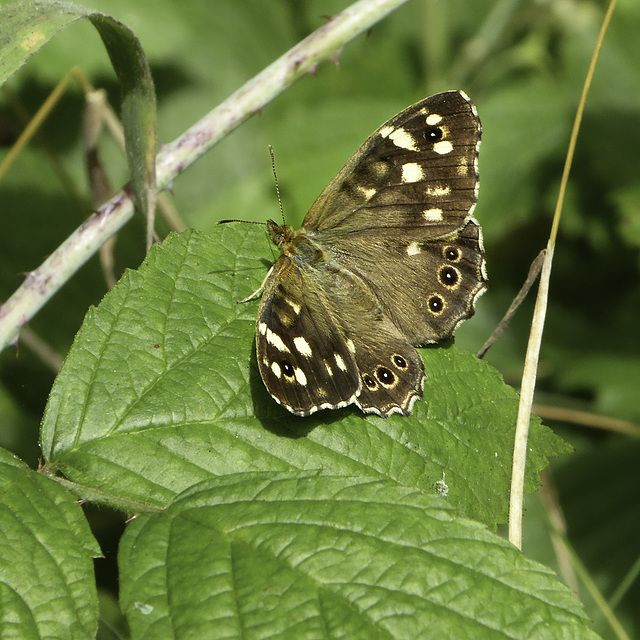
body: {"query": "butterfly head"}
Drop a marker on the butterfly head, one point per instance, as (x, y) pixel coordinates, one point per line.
(281, 235)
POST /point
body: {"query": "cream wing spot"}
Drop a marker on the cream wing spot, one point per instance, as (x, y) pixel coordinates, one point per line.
(302, 346)
(350, 345)
(433, 119)
(367, 192)
(439, 190)
(262, 328)
(413, 249)
(294, 305)
(412, 172)
(301, 378)
(340, 362)
(328, 368)
(403, 139)
(385, 131)
(276, 341)
(275, 368)
(433, 215)
(443, 147)
(463, 167)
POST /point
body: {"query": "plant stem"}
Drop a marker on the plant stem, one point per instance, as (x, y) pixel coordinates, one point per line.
(42, 283)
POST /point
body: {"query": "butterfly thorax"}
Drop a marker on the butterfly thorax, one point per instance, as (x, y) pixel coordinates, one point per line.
(295, 244)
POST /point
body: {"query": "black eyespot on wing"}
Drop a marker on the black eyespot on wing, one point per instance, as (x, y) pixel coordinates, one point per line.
(287, 368)
(385, 376)
(435, 304)
(369, 381)
(399, 361)
(449, 276)
(452, 254)
(433, 134)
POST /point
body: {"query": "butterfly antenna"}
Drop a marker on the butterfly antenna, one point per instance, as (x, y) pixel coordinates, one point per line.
(243, 221)
(275, 179)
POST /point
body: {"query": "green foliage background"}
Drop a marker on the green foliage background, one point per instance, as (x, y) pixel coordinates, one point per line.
(523, 64)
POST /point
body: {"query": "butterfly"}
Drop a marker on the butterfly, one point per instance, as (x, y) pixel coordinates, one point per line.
(388, 258)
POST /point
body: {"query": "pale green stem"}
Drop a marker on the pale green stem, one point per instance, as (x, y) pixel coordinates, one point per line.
(528, 385)
(42, 283)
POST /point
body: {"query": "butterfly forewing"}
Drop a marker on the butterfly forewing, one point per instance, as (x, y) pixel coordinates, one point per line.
(302, 353)
(419, 169)
(388, 257)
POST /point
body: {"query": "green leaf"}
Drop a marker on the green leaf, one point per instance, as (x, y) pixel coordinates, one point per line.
(46, 548)
(161, 391)
(309, 556)
(26, 26)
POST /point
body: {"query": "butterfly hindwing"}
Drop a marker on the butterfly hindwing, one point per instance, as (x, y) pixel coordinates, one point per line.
(391, 370)
(426, 309)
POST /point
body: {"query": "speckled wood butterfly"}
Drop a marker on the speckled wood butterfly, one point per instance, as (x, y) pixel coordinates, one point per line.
(388, 257)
